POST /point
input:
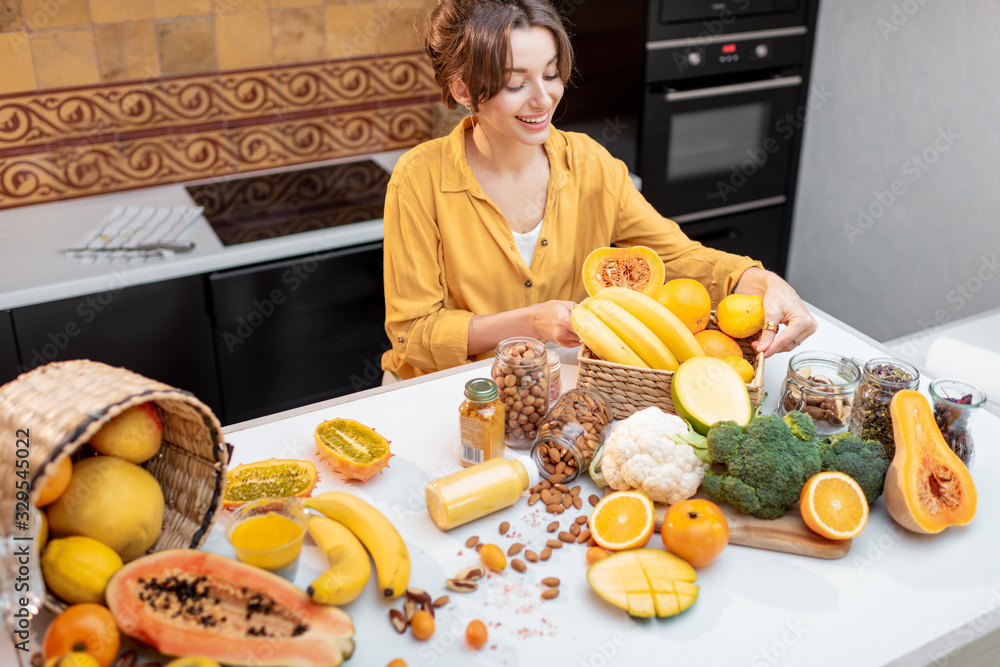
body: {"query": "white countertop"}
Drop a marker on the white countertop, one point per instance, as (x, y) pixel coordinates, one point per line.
(33, 271)
(897, 598)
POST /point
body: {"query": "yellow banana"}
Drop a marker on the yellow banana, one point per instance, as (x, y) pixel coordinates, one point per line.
(658, 318)
(380, 537)
(634, 333)
(599, 337)
(349, 568)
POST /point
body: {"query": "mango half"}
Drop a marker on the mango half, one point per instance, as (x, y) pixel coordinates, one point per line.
(645, 582)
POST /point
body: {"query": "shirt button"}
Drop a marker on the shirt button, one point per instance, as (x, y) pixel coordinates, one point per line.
(527, 283)
(545, 242)
(400, 339)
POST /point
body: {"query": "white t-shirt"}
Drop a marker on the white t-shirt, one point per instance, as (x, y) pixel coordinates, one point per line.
(526, 243)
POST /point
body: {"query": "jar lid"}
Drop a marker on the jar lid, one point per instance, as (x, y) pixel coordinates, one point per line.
(481, 389)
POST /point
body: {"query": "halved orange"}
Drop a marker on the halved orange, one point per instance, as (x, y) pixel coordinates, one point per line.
(623, 520)
(833, 505)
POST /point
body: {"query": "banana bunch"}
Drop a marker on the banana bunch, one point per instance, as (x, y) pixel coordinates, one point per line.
(349, 568)
(627, 327)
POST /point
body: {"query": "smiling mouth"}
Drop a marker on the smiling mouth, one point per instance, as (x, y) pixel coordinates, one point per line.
(536, 120)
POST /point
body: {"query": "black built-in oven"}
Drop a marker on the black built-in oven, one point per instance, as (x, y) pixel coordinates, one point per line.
(715, 115)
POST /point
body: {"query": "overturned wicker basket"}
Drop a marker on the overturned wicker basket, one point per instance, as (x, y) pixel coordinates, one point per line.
(629, 389)
(62, 404)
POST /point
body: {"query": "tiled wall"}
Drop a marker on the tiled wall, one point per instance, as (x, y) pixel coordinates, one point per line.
(105, 95)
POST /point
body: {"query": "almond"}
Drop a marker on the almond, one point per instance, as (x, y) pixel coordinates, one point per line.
(553, 544)
(472, 541)
(550, 581)
(546, 553)
(531, 556)
(515, 549)
(584, 536)
(550, 594)
(552, 527)
(593, 499)
(568, 538)
(518, 565)
(441, 601)
(504, 527)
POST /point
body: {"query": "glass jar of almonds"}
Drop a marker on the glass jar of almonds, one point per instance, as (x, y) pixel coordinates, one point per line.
(570, 433)
(521, 371)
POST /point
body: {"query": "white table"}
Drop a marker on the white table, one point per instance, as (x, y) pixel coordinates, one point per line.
(896, 598)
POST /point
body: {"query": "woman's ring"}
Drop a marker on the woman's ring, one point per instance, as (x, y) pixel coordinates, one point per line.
(770, 326)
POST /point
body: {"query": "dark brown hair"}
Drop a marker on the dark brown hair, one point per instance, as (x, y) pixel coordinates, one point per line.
(470, 40)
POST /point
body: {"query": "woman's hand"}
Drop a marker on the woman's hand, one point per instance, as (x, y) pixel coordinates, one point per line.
(552, 322)
(782, 305)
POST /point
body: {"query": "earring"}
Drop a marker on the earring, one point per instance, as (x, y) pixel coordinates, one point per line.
(468, 105)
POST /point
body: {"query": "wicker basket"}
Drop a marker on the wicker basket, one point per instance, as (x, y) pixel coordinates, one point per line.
(62, 404)
(629, 388)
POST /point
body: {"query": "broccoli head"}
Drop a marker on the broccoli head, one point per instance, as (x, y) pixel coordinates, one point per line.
(766, 465)
(801, 425)
(864, 460)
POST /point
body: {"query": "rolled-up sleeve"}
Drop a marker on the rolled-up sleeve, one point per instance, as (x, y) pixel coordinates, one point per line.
(423, 333)
(638, 223)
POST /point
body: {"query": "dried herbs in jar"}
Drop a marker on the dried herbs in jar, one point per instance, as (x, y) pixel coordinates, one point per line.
(880, 380)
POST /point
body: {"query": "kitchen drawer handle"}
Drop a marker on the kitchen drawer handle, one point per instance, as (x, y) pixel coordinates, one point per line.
(734, 89)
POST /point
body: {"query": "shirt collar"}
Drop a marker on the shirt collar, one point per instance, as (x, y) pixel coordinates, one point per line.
(456, 175)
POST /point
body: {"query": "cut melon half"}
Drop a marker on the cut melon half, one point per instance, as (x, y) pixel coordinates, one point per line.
(706, 390)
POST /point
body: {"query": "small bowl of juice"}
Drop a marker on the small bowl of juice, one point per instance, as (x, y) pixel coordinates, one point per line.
(268, 532)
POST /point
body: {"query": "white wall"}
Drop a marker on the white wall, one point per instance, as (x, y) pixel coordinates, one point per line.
(912, 103)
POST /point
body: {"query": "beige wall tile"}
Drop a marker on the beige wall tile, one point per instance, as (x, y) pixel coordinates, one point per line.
(41, 14)
(18, 73)
(127, 51)
(175, 8)
(244, 40)
(237, 6)
(278, 4)
(64, 57)
(350, 31)
(398, 23)
(106, 11)
(187, 46)
(298, 35)
(11, 15)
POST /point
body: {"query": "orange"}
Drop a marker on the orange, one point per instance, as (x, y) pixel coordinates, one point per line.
(833, 505)
(740, 315)
(623, 520)
(742, 366)
(688, 300)
(56, 483)
(717, 344)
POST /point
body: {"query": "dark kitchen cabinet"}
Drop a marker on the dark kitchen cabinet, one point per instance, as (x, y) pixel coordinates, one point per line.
(8, 348)
(293, 332)
(160, 330)
(761, 234)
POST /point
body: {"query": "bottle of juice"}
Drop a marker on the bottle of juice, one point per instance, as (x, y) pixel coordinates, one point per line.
(479, 490)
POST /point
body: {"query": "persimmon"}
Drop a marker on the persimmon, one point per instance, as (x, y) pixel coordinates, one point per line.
(696, 530)
(85, 627)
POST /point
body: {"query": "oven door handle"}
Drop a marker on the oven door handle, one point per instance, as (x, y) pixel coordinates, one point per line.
(734, 89)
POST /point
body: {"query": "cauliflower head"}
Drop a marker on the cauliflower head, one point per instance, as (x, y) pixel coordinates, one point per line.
(648, 452)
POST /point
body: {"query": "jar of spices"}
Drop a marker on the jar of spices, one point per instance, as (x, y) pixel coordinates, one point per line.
(880, 380)
(822, 385)
(481, 419)
(570, 434)
(521, 371)
(555, 376)
(954, 404)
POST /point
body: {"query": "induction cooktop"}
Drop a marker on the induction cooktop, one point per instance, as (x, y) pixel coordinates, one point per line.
(268, 206)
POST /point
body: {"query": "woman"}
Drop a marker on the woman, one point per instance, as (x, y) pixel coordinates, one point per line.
(487, 229)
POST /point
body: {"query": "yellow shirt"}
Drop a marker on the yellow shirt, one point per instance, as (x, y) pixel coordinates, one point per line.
(450, 253)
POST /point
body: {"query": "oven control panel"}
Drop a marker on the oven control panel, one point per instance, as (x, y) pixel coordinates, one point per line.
(682, 59)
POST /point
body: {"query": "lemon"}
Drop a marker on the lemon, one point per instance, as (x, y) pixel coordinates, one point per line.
(742, 366)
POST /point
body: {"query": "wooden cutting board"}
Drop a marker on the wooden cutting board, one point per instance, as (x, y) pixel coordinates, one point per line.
(787, 534)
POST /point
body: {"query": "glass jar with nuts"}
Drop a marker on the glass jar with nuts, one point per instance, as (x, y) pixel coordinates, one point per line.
(570, 434)
(521, 371)
(821, 385)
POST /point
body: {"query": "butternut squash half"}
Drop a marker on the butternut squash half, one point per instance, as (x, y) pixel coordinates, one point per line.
(638, 268)
(927, 487)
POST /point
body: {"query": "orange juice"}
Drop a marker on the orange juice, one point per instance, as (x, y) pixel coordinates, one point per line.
(479, 490)
(271, 541)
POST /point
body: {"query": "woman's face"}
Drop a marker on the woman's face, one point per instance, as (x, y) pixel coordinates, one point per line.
(522, 111)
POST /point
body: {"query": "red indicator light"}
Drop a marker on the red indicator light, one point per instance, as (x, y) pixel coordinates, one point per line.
(729, 48)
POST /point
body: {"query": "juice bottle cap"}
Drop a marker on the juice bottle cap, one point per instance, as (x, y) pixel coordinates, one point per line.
(531, 468)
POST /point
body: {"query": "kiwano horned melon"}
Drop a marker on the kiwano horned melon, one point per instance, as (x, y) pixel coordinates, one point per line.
(354, 450)
(273, 478)
(188, 602)
(638, 268)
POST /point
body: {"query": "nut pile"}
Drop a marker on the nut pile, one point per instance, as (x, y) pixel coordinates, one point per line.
(556, 496)
(834, 408)
(415, 599)
(571, 432)
(521, 374)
